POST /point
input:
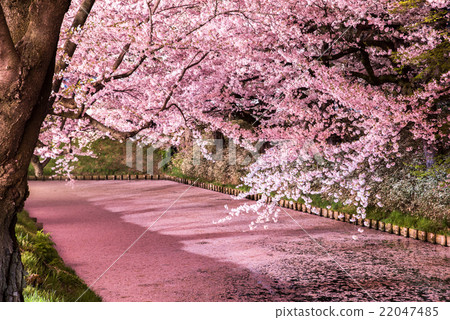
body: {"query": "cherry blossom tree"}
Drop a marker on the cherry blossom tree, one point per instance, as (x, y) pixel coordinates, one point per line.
(364, 85)
(117, 70)
(361, 85)
(367, 86)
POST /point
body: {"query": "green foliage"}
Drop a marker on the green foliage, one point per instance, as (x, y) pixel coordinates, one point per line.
(31, 294)
(409, 4)
(418, 192)
(419, 223)
(110, 160)
(440, 169)
(396, 217)
(164, 154)
(48, 278)
(431, 64)
(437, 62)
(436, 16)
(176, 172)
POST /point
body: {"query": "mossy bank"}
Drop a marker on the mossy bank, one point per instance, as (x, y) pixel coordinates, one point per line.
(48, 278)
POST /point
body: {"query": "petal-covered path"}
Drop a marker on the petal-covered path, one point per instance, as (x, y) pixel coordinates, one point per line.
(185, 256)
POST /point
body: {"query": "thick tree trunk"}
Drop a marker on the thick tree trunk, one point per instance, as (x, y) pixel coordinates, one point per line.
(29, 33)
(11, 269)
(14, 191)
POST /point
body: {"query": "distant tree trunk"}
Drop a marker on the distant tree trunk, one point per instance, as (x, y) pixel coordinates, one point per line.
(29, 32)
(39, 166)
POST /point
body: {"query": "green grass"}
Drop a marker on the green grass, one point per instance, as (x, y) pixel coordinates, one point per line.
(105, 164)
(110, 160)
(394, 217)
(419, 223)
(176, 172)
(48, 278)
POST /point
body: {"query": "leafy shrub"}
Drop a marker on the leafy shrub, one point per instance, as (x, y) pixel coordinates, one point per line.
(422, 196)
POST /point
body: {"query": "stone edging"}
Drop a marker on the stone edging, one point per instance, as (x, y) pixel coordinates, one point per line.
(336, 215)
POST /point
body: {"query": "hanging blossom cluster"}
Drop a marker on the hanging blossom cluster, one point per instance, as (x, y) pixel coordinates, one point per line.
(356, 108)
(341, 91)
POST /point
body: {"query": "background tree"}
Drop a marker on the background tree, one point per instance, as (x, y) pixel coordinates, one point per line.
(367, 86)
(90, 89)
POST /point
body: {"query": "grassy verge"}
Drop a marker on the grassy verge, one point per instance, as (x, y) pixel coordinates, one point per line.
(394, 217)
(110, 160)
(48, 278)
(175, 172)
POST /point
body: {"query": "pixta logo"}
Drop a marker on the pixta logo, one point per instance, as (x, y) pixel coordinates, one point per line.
(149, 158)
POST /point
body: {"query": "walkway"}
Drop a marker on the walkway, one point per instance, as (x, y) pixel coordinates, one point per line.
(186, 257)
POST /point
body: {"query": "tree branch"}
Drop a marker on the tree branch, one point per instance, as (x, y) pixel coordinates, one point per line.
(103, 128)
(383, 44)
(183, 73)
(70, 47)
(129, 72)
(117, 134)
(365, 59)
(337, 55)
(179, 109)
(100, 84)
(119, 59)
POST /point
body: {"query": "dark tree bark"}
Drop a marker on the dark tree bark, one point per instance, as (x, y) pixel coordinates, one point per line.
(29, 32)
